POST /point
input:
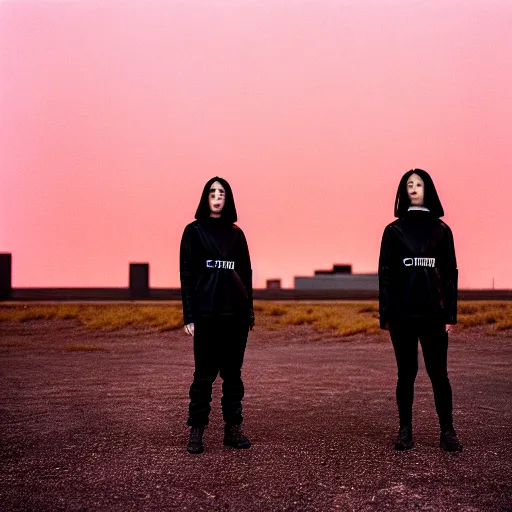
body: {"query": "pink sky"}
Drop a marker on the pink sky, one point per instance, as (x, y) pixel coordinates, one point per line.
(114, 115)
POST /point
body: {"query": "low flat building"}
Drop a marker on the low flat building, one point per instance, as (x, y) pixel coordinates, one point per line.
(339, 278)
(338, 282)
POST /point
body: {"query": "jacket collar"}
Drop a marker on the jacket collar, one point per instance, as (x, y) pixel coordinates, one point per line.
(418, 208)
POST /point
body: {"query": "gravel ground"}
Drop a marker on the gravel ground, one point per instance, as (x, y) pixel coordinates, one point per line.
(104, 430)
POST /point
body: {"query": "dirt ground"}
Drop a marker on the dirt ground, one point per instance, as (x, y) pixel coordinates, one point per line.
(104, 430)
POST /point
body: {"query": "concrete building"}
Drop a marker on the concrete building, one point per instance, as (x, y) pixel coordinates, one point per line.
(5, 276)
(339, 278)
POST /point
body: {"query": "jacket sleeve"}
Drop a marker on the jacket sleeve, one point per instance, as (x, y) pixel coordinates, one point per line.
(385, 261)
(245, 273)
(449, 278)
(187, 277)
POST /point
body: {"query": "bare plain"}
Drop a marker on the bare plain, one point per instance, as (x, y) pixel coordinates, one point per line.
(93, 420)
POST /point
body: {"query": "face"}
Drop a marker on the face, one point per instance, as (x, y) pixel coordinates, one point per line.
(216, 199)
(416, 190)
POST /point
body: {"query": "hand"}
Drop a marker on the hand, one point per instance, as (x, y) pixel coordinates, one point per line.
(448, 327)
(189, 329)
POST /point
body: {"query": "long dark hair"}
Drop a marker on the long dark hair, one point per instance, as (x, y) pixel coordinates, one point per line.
(431, 199)
(228, 213)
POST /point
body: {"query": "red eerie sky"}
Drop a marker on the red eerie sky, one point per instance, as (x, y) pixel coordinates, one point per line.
(115, 114)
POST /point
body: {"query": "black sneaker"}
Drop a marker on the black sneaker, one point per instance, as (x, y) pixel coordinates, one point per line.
(404, 439)
(234, 437)
(195, 440)
(449, 441)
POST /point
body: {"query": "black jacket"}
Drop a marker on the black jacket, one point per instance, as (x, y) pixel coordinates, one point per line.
(417, 270)
(215, 270)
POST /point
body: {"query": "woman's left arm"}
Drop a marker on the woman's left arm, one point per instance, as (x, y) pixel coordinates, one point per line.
(244, 270)
(449, 277)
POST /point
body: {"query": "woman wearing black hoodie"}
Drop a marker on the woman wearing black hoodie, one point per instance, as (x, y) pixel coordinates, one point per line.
(216, 289)
(418, 299)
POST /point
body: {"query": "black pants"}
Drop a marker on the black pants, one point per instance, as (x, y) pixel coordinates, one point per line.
(434, 344)
(219, 347)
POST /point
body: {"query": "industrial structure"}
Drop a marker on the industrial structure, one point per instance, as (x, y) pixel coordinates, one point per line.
(336, 284)
(339, 278)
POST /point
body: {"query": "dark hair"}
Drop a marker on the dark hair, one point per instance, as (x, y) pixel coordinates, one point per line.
(228, 213)
(430, 201)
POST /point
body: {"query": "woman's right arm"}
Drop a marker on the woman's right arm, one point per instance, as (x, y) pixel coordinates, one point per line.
(385, 262)
(187, 277)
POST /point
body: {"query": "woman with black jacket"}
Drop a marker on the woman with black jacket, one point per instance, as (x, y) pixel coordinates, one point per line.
(418, 299)
(216, 290)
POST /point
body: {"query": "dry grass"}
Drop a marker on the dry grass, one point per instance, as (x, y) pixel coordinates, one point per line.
(100, 316)
(346, 318)
(496, 314)
(341, 318)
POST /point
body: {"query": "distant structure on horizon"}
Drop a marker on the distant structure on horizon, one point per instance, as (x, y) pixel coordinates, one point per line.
(339, 278)
(5, 276)
(336, 284)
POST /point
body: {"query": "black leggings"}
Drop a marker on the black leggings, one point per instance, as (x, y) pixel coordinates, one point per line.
(219, 347)
(434, 344)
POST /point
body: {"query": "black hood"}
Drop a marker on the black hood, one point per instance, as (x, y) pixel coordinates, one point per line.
(228, 212)
(431, 199)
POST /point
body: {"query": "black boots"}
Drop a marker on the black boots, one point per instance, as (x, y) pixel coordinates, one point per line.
(404, 439)
(195, 441)
(449, 441)
(234, 437)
